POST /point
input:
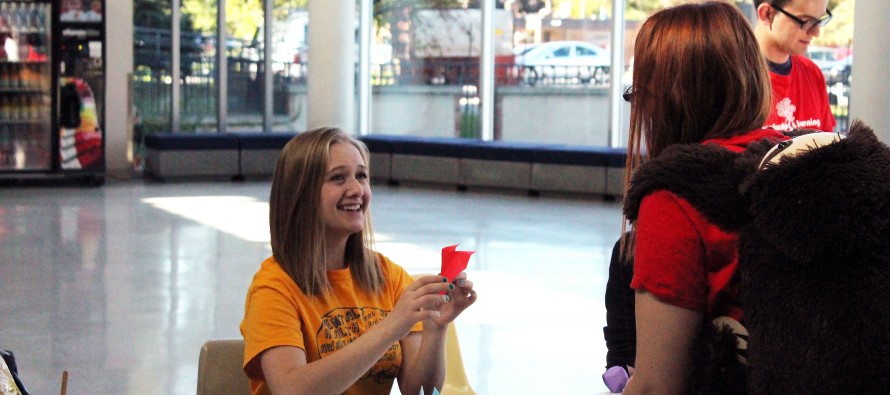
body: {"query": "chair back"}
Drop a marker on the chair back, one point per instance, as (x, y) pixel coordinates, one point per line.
(220, 368)
(456, 382)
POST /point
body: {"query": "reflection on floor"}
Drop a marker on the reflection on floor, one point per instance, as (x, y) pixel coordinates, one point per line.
(120, 285)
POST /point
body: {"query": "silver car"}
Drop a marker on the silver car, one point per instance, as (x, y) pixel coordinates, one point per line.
(565, 62)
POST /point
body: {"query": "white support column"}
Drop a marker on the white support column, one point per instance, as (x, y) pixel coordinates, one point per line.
(366, 27)
(175, 69)
(222, 69)
(616, 71)
(331, 69)
(119, 68)
(870, 87)
(268, 100)
(486, 73)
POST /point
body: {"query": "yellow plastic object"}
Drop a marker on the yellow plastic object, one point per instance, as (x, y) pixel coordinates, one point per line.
(456, 382)
(455, 376)
(219, 368)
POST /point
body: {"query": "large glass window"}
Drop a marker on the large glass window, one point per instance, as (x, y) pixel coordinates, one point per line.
(151, 63)
(290, 57)
(425, 68)
(290, 54)
(244, 53)
(552, 66)
(198, 56)
(555, 88)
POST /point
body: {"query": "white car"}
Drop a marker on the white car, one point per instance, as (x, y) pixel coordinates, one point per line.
(565, 61)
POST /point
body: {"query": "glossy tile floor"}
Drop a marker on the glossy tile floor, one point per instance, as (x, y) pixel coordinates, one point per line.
(120, 285)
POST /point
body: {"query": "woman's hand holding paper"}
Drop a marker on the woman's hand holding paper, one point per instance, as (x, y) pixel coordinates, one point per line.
(460, 297)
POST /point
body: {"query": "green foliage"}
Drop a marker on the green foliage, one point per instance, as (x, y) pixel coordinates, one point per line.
(203, 13)
(584, 9)
(469, 122)
(386, 10)
(838, 32)
(157, 14)
(640, 9)
(634, 9)
(151, 13)
(243, 17)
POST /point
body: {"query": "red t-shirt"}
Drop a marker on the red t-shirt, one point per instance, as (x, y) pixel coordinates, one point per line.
(683, 259)
(800, 99)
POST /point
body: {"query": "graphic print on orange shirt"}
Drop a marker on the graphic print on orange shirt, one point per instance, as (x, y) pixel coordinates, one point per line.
(341, 326)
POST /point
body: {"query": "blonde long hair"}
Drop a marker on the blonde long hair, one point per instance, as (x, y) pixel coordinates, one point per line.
(295, 222)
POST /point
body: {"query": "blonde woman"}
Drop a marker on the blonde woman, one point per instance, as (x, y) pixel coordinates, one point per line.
(326, 314)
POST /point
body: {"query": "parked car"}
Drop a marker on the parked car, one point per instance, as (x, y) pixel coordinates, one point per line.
(566, 61)
(827, 60)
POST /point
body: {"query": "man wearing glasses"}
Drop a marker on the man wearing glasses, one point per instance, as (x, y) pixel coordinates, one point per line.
(784, 29)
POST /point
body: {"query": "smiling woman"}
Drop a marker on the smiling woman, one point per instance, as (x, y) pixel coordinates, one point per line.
(345, 194)
(326, 313)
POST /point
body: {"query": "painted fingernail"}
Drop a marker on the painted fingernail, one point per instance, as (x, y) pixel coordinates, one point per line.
(450, 286)
(444, 279)
(462, 282)
(447, 298)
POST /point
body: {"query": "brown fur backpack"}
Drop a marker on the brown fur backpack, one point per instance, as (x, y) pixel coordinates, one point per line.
(814, 262)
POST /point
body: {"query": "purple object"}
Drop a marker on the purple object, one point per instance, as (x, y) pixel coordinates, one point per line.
(615, 379)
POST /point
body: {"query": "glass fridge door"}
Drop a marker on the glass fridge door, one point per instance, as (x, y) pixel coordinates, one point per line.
(25, 86)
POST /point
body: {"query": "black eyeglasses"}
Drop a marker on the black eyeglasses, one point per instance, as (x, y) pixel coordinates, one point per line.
(806, 25)
(628, 93)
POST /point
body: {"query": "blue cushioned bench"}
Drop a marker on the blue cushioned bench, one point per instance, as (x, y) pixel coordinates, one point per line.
(258, 152)
(567, 168)
(497, 164)
(463, 163)
(174, 155)
(407, 159)
(381, 161)
(471, 163)
(432, 161)
(616, 162)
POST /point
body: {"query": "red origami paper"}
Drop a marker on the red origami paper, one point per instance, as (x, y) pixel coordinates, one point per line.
(454, 262)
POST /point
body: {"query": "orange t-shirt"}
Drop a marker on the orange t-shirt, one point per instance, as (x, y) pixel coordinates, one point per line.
(278, 313)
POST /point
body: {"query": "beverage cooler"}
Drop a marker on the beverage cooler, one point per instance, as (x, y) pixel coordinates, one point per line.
(52, 89)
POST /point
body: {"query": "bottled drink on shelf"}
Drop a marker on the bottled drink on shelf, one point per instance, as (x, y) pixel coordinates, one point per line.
(17, 106)
(4, 74)
(27, 75)
(12, 75)
(5, 146)
(4, 108)
(27, 107)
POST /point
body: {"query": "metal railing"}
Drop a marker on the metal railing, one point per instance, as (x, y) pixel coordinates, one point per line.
(466, 72)
(152, 92)
(152, 86)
